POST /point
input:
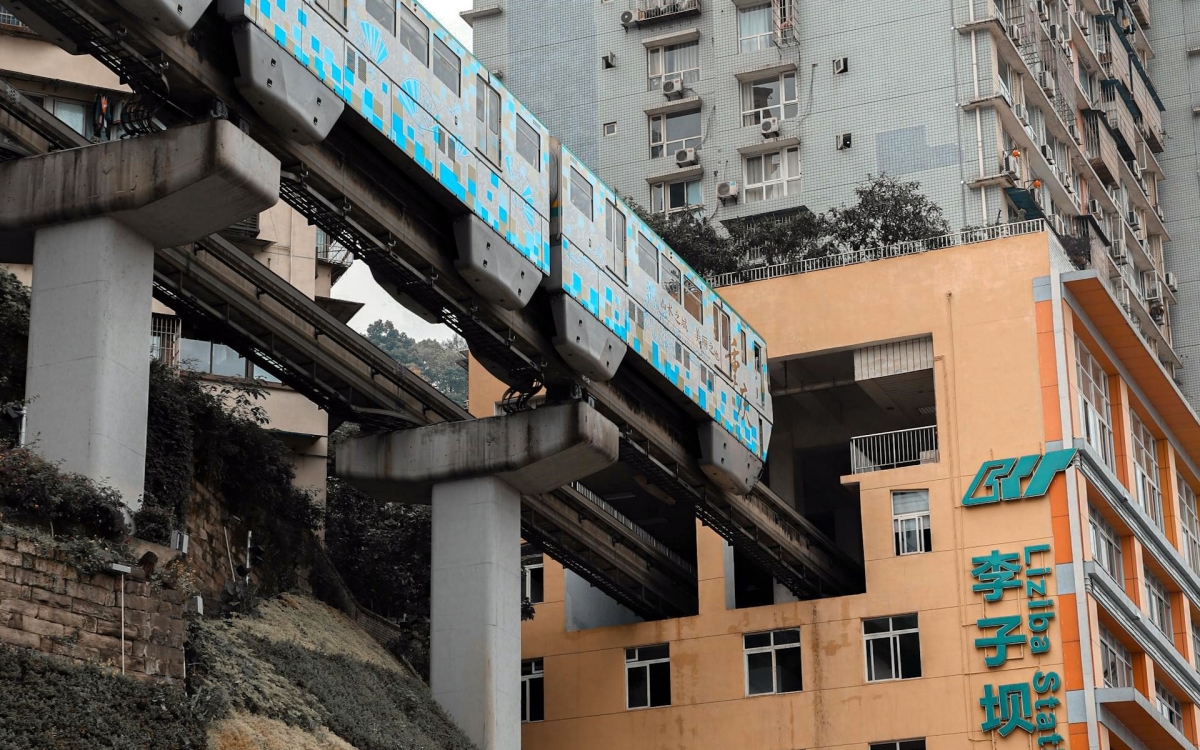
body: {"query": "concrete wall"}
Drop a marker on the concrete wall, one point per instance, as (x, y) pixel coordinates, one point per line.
(585, 606)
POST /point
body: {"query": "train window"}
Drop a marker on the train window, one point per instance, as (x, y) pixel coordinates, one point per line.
(383, 11)
(487, 111)
(614, 232)
(721, 329)
(757, 357)
(745, 354)
(678, 351)
(445, 142)
(670, 279)
(414, 35)
(529, 143)
(335, 8)
(687, 359)
(581, 192)
(648, 257)
(693, 300)
(446, 65)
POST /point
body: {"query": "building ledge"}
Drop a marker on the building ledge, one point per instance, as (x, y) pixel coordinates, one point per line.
(676, 175)
(765, 72)
(767, 145)
(1137, 713)
(342, 309)
(485, 11)
(675, 37)
(675, 105)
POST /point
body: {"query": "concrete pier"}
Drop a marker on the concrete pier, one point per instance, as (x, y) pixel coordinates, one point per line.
(99, 213)
(474, 473)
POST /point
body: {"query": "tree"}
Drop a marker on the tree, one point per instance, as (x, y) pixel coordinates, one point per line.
(14, 341)
(694, 237)
(887, 211)
(438, 362)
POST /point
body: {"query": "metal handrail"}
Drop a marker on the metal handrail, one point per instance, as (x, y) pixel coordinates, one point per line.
(866, 255)
(891, 450)
(638, 531)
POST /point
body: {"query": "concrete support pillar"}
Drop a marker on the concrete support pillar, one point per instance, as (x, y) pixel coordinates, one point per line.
(89, 346)
(475, 640)
(99, 213)
(475, 473)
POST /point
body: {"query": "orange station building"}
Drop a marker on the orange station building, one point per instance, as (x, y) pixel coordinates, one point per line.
(985, 429)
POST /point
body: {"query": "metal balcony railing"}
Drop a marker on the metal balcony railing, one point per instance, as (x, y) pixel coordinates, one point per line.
(8, 19)
(331, 251)
(892, 450)
(650, 11)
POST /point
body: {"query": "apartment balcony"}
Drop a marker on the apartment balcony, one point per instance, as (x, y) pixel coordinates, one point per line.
(647, 12)
(1151, 118)
(1101, 149)
(894, 450)
(1120, 119)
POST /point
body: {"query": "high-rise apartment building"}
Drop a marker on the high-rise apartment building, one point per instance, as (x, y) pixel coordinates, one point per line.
(1002, 109)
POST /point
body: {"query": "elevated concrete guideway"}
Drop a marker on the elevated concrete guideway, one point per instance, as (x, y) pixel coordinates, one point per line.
(99, 213)
(476, 473)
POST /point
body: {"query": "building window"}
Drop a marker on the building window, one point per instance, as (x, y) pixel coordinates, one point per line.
(893, 648)
(414, 35)
(609, 128)
(533, 691)
(1145, 470)
(773, 175)
(671, 197)
(1094, 407)
(1106, 546)
(1115, 660)
(1196, 638)
(1191, 525)
(647, 257)
(447, 66)
(581, 193)
(899, 745)
(335, 8)
(1168, 705)
(1158, 604)
(529, 143)
(769, 97)
(755, 28)
(910, 522)
(385, 13)
(681, 61)
(614, 232)
(533, 579)
(772, 662)
(487, 111)
(693, 300)
(164, 339)
(669, 133)
(648, 676)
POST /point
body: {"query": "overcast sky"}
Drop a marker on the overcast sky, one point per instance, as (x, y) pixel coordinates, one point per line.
(357, 284)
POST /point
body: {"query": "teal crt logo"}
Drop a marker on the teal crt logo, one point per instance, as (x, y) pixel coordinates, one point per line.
(1001, 479)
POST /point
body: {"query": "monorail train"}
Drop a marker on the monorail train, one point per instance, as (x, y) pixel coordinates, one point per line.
(537, 216)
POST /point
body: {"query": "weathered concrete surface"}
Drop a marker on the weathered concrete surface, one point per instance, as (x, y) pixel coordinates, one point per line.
(533, 451)
(475, 609)
(171, 187)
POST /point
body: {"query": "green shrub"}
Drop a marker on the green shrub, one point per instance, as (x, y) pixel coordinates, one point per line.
(153, 522)
(33, 490)
(48, 703)
(14, 341)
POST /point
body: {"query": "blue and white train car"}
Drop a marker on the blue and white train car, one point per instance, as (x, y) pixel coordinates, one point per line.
(531, 214)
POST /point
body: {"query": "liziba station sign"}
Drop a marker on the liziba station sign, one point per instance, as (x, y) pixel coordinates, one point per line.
(1019, 579)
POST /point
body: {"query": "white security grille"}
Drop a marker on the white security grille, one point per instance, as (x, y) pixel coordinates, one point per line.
(164, 339)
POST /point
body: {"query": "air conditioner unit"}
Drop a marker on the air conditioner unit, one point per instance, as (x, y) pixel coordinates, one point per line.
(1133, 220)
(1039, 7)
(727, 191)
(1046, 81)
(672, 88)
(179, 541)
(1150, 284)
(686, 157)
(1056, 33)
(841, 65)
(843, 141)
(1126, 299)
(1159, 213)
(1136, 168)
(609, 60)
(1105, 6)
(628, 19)
(1048, 153)
(769, 127)
(1081, 18)
(1076, 136)
(1172, 282)
(1009, 166)
(1021, 112)
(1059, 225)
(1117, 251)
(1014, 33)
(1095, 209)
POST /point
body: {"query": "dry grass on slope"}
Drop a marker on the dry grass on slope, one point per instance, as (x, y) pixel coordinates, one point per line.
(243, 731)
(304, 666)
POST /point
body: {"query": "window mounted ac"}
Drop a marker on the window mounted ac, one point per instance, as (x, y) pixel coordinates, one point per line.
(1056, 32)
(1172, 282)
(686, 157)
(1046, 81)
(1136, 168)
(1014, 33)
(672, 88)
(841, 65)
(1081, 18)
(1159, 213)
(1009, 166)
(1019, 112)
(1133, 221)
(769, 127)
(1105, 6)
(727, 191)
(1126, 299)
(1076, 136)
(1048, 153)
(843, 141)
(1039, 7)
(1095, 209)
(1117, 251)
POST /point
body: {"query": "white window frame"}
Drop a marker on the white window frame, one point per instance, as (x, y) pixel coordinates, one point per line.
(780, 111)
(656, 72)
(773, 649)
(640, 663)
(609, 129)
(668, 146)
(1158, 605)
(537, 672)
(577, 182)
(1114, 654)
(893, 635)
(1195, 639)
(527, 569)
(660, 193)
(615, 234)
(1168, 705)
(785, 184)
(1145, 470)
(1106, 546)
(529, 135)
(488, 139)
(444, 56)
(411, 25)
(1190, 522)
(918, 519)
(1095, 409)
(762, 41)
